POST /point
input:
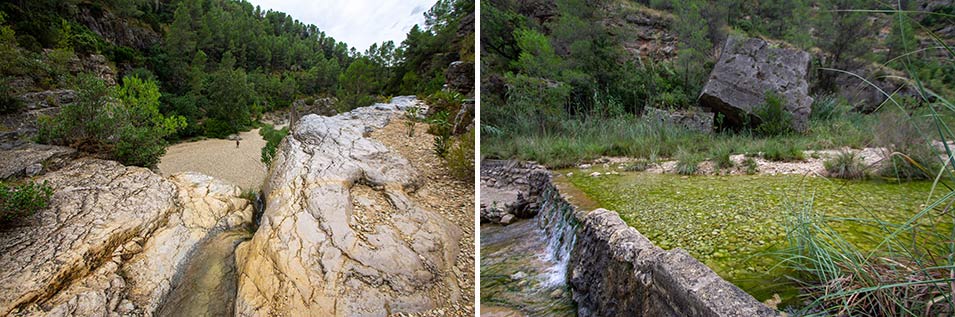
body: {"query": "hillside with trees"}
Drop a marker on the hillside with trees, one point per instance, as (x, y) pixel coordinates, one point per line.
(214, 65)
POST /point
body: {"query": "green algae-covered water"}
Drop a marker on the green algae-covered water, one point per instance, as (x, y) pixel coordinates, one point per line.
(732, 223)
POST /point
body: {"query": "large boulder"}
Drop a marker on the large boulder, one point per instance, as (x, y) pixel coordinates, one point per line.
(747, 70)
(113, 241)
(341, 234)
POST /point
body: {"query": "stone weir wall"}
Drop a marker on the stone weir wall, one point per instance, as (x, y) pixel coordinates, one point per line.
(612, 269)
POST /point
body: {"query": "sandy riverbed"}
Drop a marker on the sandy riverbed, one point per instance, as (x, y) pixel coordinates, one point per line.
(220, 159)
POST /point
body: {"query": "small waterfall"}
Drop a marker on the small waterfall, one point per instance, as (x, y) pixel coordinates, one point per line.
(556, 220)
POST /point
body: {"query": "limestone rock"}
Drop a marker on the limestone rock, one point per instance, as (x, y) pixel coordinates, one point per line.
(747, 70)
(694, 119)
(460, 77)
(113, 241)
(32, 159)
(319, 252)
(48, 98)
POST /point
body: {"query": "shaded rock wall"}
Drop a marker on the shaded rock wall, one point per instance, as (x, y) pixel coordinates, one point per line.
(613, 270)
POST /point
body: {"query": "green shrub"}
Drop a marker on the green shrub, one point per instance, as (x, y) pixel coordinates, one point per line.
(687, 163)
(783, 151)
(446, 101)
(8, 102)
(751, 166)
(23, 200)
(272, 139)
(460, 157)
(721, 156)
(637, 166)
(774, 120)
(845, 165)
(123, 123)
(828, 107)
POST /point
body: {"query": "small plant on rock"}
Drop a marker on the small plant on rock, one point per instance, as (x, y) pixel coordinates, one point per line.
(411, 119)
(751, 167)
(721, 156)
(687, 163)
(23, 200)
(845, 165)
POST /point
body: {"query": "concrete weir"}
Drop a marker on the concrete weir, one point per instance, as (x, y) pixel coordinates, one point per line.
(612, 269)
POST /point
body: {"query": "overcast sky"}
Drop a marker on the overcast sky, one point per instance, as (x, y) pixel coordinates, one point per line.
(356, 22)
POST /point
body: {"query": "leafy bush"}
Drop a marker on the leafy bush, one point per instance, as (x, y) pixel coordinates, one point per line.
(774, 120)
(411, 119)
(460, 157)
(123, 123)
(23, 200)
(272, 139)
(845, 165)
(446, 101)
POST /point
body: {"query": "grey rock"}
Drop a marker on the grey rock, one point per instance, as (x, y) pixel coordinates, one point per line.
(746, 71)
(460, 77)
(32, 159)
(112, 241)
(693, 119)
(507, 219)
(311, 254)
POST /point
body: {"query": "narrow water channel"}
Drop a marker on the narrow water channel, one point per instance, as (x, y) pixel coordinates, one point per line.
(208, 284)
(519, 274)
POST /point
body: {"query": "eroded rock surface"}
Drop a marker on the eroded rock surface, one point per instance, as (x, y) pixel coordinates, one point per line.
(113, 241)
(747, 70)
(340, 235)
(31, 159)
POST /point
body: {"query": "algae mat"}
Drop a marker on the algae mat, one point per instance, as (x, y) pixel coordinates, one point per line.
(733, 223)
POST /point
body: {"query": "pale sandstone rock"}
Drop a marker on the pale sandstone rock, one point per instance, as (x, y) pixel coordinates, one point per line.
(113, 240)
(319, 253)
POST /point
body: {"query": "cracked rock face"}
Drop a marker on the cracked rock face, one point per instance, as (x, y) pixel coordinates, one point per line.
(747, 69)
(340, 235)
(113, 241)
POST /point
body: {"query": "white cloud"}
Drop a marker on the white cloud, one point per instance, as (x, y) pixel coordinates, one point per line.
(359, 23)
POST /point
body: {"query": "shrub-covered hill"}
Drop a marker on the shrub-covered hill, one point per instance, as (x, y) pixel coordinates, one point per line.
(220, 63)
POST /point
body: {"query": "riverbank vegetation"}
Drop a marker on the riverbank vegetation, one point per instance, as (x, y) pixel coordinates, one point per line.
(217, 64)
(567, 88)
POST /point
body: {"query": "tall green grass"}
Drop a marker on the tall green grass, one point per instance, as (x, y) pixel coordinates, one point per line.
(910, 271)
(569, 140)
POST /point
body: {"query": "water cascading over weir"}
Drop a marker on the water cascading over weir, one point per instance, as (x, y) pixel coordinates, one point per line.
(609, 267)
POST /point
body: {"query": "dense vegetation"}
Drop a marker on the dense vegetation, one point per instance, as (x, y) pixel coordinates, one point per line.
(563, 89)
(217, 64)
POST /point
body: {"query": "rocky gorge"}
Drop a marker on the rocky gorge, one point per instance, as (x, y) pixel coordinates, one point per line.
(342, 230)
